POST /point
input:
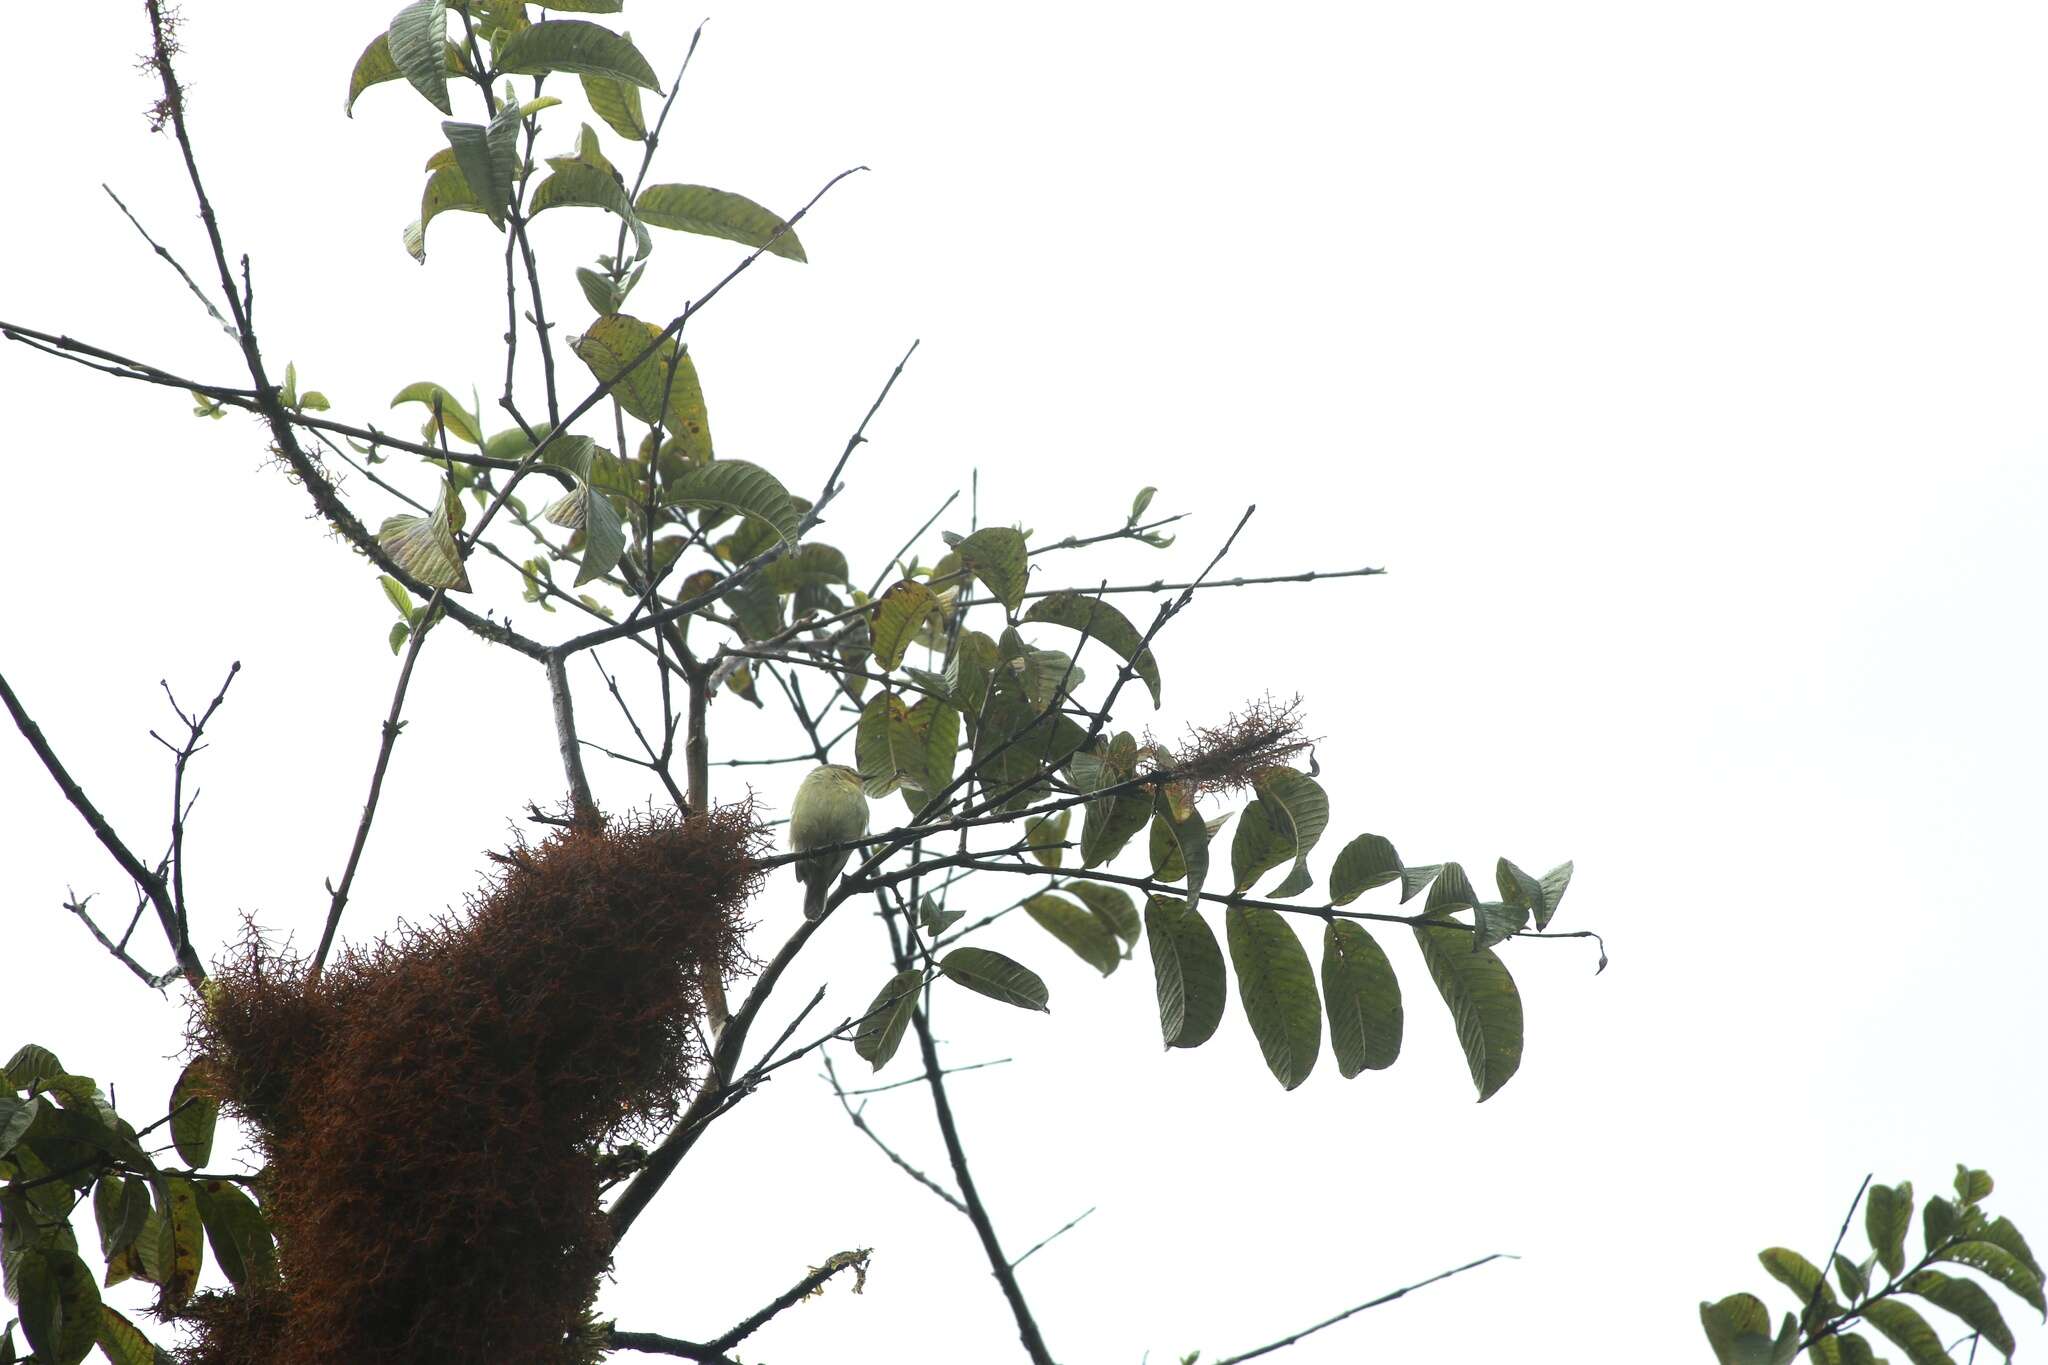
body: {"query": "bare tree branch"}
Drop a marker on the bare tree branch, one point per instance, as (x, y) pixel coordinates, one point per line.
(1291, 1338)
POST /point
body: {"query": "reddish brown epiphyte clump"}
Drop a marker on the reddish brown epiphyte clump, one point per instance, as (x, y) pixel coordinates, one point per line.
(1231, 756)
(433, 1153)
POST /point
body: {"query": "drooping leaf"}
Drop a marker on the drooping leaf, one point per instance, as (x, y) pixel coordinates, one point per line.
(1451, 891)
(1277, 987)
(997, 977)
(1108, 823)
(414, 42)
(897, 616)
(15, 1117)
(1081, 929)
(124, 1343)
(374, 67)
(618, 104)
(1262, 842)
(1799, 1275)
(887, 748)
(239, 1233)
(121, 1208)
(1303, 812)
(1887, 1217)
(1184, 844)
(575, 45)
(1364, 863)
(488, 157)
(882, 1029)
(59, 1303)
(1485, 1007)
(1045, 834)
(32, 1067)
(995, 555)
(194, 1110)
(1856, 1351)
(2000, 1265)
(446, 191)
(1907, 1330)
(591, 511)
(936, 724)
(1113, 906)
(1967, 1300)
(1187, 970)
(1363, 998)
(1739, 1330)
(425, 548)
(716, 213)
(181, 1249)
(1098, 620)
(737, 486)
(612, 345)
(1496, 922)
(2000, 1232)
(1854, 1279)
(578, 185)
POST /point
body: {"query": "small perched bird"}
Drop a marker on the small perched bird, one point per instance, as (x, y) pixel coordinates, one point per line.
(830, 809)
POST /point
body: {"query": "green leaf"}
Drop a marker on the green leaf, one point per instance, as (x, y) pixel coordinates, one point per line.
(1887, 1217)
(2000, 1265)
(400, 632)
(1414, 880)
(1937, 1222)
(715, 213)
(1799, 1275)
(576, 185)
(1554, 883)
(374, 67)
(1907, 1330)
(592, 512)
(488, 158)
(997, 977)
(1139, 504)
(1302, 812)
(1496, 922)
(995, 555)
(575, 45)
(425, 548)
(583, 6)
(1081, 929)
(934, 920)
(737, 486)
(611, 344)
(124, 1343)
(1098, 620)
(1967, 1300)
(1485, 1007)
(882, 1029)
(193, 1113)
(447, 191)
(1107, 824)
(15, 1118)
(888, 750)
(415, 41)
(457, 420)
(898, 615)
(32, 1067)
(239, 1233)
(1999, 1232)
(1039, 829)
(181, 1250)
(1363, 998)
(59, 1302)
(395, 593)
(618, 104)
(1113, 905)
(120, 1208)
(1739, 1329)
(1972, 1187)
(1854, 1279)
(1187, 969)
(1277, 987)
(937, 726)
(1261, 843)
(1364, 863)
(1452, 891)
(1180, 848)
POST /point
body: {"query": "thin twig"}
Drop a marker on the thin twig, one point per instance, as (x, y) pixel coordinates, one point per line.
(1041, 1242)
(172, 261)
(857, 1117)
(339, 900)
(1370, 1303)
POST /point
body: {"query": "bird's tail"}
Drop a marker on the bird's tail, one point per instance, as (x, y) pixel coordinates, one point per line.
(814, 896)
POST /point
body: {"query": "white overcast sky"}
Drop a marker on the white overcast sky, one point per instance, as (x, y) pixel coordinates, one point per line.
(1682, 365)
